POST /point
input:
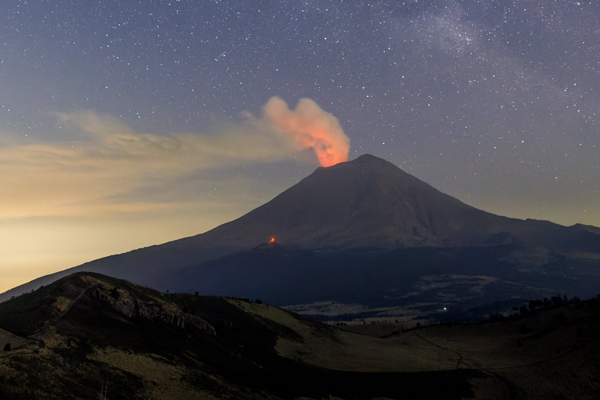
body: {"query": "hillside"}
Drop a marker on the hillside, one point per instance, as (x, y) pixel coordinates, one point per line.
(86, 331)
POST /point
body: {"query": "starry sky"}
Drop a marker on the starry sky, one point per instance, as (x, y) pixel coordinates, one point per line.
(130, 123)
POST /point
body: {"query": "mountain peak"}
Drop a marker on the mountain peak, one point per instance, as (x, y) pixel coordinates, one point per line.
(365, 202)
(361, 171)
(369, 158)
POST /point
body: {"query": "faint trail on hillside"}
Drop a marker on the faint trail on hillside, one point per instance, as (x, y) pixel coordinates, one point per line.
(553, 358)
(458, 361)
(507, 392)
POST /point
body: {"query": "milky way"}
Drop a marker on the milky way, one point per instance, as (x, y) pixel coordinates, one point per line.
(493, 102)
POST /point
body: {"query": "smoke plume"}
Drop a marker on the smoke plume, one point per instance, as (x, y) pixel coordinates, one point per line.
(308, 126)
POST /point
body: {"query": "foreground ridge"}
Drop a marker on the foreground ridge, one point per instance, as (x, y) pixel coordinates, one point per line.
(89, 331)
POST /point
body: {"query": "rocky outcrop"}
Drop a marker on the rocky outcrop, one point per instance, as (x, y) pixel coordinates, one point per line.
(130, 305)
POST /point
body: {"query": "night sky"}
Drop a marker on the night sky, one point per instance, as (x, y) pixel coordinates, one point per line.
(130, 123)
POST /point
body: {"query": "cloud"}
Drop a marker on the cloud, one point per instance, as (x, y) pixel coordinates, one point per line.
(105, 165)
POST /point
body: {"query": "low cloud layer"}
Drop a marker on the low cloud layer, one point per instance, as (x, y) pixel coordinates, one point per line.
(104, 159)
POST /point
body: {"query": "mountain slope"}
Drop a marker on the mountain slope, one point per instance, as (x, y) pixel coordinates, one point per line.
(364, 203)
(87, 330)
(369, 202)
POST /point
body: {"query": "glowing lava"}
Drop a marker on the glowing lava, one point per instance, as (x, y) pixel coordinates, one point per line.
(272, 240)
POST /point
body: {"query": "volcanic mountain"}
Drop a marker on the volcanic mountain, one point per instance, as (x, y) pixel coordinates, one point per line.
(350, 212)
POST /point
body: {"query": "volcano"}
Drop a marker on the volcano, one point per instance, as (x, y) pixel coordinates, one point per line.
(351, 230)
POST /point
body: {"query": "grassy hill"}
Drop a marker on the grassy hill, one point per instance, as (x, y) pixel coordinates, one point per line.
(86, 331)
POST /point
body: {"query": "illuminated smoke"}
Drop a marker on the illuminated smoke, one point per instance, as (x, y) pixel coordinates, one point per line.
(308, 126)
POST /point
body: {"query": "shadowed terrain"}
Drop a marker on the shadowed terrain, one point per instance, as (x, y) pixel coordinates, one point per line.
(88, 330)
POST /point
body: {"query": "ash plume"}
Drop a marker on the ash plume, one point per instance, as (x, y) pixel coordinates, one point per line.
(308, 126)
